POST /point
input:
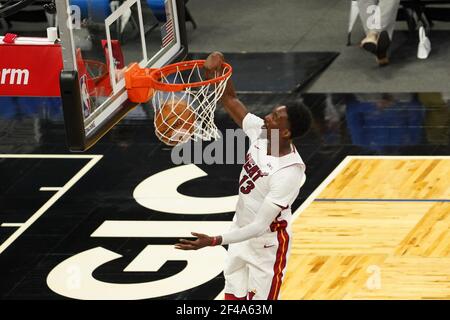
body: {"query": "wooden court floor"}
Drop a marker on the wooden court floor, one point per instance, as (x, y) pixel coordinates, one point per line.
(376, 228)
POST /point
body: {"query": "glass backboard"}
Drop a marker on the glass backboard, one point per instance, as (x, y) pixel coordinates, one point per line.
(100, 38)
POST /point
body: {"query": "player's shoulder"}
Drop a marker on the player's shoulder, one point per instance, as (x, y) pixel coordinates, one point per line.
(294, 169)
(288, 177)
(291, 163)
(287, 174)
(251, 120)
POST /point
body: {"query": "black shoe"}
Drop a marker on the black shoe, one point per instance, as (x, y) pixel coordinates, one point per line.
(384, 42)
(370, 46)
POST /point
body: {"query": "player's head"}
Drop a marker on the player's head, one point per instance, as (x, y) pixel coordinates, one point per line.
(293, 119)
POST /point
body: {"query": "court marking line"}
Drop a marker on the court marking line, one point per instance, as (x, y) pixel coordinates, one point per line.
(50, 188)
(11, 225)
(49, 156)
(378, 200)
(400, 157)
(50, 202)
(221, 295)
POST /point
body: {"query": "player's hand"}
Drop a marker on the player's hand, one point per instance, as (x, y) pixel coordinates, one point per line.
(202, 241)
(213, 64)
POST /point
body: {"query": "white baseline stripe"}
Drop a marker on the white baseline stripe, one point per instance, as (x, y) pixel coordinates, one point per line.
(158, 229)
(11, 225)
(50, 188)
(221, 295)
(401, 157)
(47, 156)
(55, 197)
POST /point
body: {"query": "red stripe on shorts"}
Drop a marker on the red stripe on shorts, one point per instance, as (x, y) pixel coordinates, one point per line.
(280, 263)
(229, 296)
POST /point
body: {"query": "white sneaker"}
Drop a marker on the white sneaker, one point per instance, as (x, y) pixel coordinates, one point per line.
(424, 48)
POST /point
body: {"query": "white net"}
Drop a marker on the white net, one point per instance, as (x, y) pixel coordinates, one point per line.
(188, 114)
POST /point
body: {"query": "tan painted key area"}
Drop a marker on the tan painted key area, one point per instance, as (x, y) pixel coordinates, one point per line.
(375, 249)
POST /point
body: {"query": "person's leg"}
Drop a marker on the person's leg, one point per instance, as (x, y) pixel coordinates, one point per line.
(366, 14)
(378, 18)
(369, 14)
(388, 11)
(268, 266)
(236, 273)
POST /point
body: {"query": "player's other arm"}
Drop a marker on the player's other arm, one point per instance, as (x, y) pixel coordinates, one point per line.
(265, 216)
(284, 187)
(231, 103)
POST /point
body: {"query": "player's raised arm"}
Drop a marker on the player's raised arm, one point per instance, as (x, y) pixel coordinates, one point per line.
(233, 106)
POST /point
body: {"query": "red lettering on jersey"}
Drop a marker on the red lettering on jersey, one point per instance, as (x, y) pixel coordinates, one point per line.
(244, 178)
(248, 188)
(253, 172)
(247, 166)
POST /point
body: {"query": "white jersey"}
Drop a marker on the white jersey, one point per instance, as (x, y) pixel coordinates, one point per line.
(277, 179)
(259, 239)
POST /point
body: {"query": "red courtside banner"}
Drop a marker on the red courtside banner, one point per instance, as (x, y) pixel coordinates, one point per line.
(30, 70)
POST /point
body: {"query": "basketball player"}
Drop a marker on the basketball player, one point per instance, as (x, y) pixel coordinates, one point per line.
(270, 181)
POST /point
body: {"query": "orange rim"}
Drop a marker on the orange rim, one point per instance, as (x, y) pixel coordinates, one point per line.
(157, 74)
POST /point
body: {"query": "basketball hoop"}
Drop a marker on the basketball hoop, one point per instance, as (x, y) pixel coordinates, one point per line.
(183, 100)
